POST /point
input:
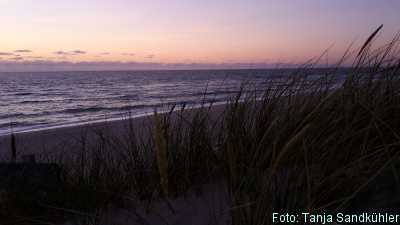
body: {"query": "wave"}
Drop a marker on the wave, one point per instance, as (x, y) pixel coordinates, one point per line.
(18, 124)
(79, 110)
(99, 108)
(129, 97)
(12, 115)
(35, 101)
(127, 108)
(23, 93)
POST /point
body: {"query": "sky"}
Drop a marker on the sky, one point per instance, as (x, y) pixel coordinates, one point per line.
(174, 34)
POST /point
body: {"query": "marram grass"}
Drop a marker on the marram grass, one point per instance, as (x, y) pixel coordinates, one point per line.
(161, 153)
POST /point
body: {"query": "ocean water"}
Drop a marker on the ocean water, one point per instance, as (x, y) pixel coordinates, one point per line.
(32, 101)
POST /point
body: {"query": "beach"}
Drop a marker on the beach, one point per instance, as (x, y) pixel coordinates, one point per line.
(65, 140)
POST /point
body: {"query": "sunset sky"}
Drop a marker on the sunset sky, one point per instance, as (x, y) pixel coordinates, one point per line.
(130, 33)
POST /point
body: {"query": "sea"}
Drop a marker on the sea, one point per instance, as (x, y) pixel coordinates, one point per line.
(32, 101)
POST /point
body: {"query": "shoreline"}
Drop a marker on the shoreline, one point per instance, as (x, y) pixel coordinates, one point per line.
(45, 142)
(116, 117)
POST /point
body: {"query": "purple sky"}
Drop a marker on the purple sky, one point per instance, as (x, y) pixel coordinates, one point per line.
(157, 34)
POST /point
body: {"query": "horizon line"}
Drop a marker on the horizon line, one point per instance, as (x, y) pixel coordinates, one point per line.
(196, 69)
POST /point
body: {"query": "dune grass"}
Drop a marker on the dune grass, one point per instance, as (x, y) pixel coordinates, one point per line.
(307, 145)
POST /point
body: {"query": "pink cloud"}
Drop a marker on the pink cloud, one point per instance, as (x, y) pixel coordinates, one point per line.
(23, 51)
(6, 53)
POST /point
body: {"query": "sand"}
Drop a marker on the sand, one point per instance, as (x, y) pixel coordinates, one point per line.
(66, 140)
(209, 207)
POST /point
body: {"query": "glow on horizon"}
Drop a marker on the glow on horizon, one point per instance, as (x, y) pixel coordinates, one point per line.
(189, 31)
